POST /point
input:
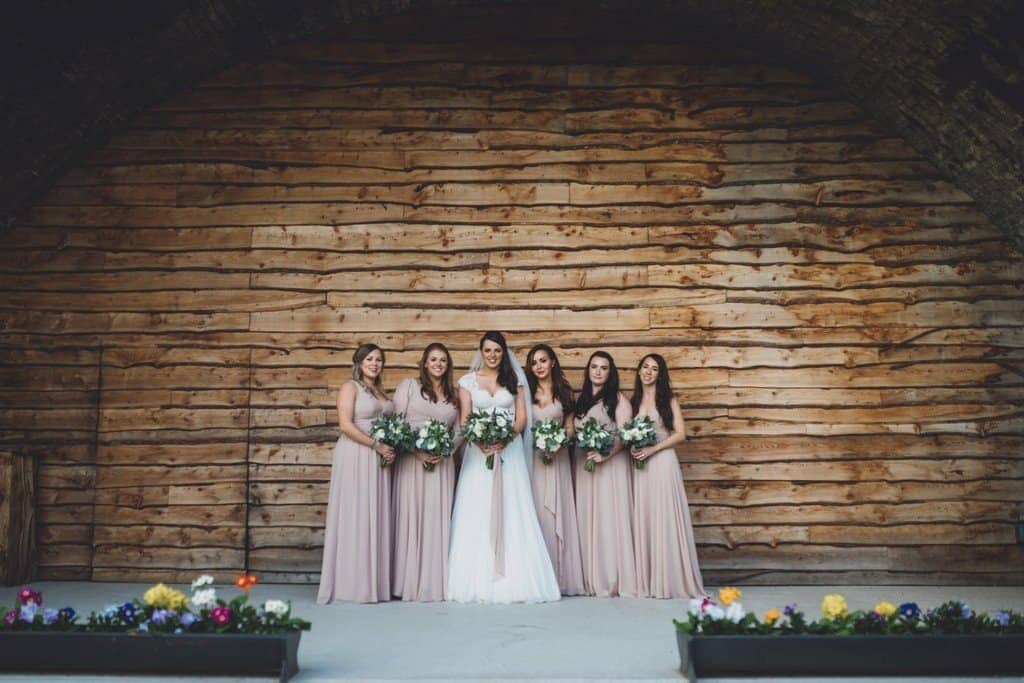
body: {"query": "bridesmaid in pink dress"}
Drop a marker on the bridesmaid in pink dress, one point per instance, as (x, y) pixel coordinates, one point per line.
(357, 542)
(666, 558)
(552, 483)
(604, 497)
(422, 499)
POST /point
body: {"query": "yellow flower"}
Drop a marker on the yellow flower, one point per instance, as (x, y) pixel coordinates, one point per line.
(164, 597)
(728, 595)
(833, 606)
(771, 615)
(886, 609)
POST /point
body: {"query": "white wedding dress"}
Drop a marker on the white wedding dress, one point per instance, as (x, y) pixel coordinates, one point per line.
(472, 576)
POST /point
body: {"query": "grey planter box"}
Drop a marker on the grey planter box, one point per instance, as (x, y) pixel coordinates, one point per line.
(766, 656)
(207, 654)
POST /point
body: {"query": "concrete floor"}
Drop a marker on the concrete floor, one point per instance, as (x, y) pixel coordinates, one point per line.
(572, 640)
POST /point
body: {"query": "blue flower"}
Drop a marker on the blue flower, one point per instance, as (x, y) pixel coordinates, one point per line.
(110, 611)
(67, 614)
(965, 611)
(1002, 617)
(910, 610)
(790, 609)
(28, 612)
(49, 616)
(127, 611)
(187, 619)
(144, 627)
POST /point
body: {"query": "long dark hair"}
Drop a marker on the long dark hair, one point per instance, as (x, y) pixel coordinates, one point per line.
(560, 386)
(427, 384)
(506, 375)
(360, 354)
(609, 394)
(663, 395)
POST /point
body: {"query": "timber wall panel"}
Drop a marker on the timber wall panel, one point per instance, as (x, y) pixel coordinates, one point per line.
(844, 329)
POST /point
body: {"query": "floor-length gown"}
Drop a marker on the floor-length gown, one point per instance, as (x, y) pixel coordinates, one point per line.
(473, 574)
(556, 509)
(604, 508)
(666, 557)
(421, 505)
(357, 542)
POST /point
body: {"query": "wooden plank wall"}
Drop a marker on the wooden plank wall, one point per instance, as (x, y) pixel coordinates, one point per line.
(845, 330)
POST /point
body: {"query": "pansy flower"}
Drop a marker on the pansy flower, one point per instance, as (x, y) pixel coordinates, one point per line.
(221, 615)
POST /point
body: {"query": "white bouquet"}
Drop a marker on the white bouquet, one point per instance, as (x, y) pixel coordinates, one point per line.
(489, 427)
(592, 436)
(549, 436)
(393, 430)
(637, 433)
(434, 438)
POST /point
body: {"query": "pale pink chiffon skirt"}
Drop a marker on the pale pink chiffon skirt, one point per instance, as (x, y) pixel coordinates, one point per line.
(357, 541)
(421, 503)
(666, 555)
(556, 512)
(604, 509)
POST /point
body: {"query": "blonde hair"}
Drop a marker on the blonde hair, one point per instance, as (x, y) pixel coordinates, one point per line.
(358, 357)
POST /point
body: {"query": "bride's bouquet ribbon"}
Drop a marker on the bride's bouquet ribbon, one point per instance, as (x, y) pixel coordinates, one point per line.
(498, 520)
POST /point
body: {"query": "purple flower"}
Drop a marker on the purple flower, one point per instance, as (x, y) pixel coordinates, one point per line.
(67, 614)
(127, 611)
(910, 610)
(160, 616)
(28, 611)
(1002, 617)
(11, 617)
(790, 609)
(27, 596)
(49, 616)
(187, 619)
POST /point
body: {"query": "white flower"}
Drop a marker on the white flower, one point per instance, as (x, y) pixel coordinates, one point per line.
(432, 444)
(500, 421)
(276, 607)
(478, 429)
(734, 612)
(695, 606)
(204, 598)
(204, 580)
(715, 612)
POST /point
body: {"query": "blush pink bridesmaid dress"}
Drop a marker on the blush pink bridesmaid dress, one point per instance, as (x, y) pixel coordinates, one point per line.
(421, 505)
(556, 509)
(357, 541)
(604, 508)
(666, 557)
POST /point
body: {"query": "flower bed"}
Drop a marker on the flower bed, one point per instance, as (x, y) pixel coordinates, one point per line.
(722, 639)
(164, 632)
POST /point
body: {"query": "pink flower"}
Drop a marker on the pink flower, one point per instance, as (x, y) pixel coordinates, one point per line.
(221, 615)
(27, 596)
(10, 618)
(705, 603)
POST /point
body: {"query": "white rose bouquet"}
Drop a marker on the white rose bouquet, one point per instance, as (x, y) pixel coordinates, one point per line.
(592, 436)
(637, 433)
(434, 438)
(549, 436)
(393, 430)
(489, 428)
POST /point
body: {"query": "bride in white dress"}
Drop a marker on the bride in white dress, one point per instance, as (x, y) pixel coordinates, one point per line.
(497, 552)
